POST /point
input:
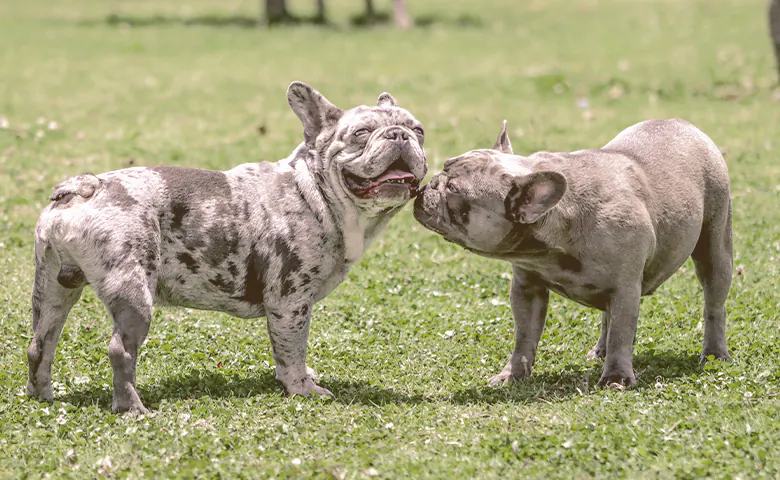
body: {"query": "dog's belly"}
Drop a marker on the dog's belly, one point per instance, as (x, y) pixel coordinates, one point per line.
(243, 284)
(654, 278)
(595, 289)
(200, 292)
(673, 247)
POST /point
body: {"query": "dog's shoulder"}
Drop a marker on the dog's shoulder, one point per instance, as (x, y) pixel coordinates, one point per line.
(259, 169)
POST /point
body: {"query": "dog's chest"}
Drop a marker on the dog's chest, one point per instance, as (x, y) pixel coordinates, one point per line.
(331, 281)
(590, 295)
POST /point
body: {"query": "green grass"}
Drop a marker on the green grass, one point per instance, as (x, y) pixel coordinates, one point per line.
(408, 342)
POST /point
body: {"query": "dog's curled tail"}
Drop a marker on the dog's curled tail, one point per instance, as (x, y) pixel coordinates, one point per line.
(83, 186)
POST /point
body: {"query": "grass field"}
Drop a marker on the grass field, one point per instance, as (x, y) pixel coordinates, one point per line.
(408, 342)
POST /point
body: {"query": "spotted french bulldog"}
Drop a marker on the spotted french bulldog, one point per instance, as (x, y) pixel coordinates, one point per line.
(263, 239)
(601, 227)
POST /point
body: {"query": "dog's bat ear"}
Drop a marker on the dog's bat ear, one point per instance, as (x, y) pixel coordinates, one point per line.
(533, 195)
(313, 109)
(503, 144)
(386, 100)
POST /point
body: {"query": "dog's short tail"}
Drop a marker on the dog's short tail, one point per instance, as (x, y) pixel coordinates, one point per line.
(83, 186)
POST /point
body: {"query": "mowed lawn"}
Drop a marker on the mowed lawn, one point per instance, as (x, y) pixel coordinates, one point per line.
(408, 342)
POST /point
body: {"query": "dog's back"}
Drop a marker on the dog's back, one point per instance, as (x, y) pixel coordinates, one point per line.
(674, 154)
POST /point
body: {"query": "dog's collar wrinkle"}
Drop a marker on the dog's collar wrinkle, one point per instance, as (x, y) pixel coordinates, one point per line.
(521, 239)
(317, 170)
(317, 199)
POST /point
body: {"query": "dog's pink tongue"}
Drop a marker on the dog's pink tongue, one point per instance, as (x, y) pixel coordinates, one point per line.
(394, 175)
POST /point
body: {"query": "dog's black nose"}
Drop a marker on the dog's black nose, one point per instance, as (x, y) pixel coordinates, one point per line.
(396, 133)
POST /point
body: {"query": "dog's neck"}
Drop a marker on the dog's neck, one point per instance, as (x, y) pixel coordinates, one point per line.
(549, 233)
(357, 228)
(550, 227)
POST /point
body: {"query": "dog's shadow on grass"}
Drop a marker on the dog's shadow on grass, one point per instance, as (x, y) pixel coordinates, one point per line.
(215, 384)
(244, 21)
(236, 21)
(580, 380)
(539, 387)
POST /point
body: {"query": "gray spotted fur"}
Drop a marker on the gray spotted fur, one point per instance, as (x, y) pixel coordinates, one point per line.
(602, 227)
(262, 239)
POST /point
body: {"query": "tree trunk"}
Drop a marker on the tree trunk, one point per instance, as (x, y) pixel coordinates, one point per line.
(370, 12)
(321, 14)
(275, 11)
(774, 28)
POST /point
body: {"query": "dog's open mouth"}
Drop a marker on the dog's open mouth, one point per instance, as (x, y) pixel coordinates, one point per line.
(394, 179)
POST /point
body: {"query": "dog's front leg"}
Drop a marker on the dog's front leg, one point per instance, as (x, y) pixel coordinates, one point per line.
(529, 307)
(623, 313)
(289, 333)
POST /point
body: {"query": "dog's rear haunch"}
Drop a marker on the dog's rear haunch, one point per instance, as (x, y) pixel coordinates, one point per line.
(262, 239)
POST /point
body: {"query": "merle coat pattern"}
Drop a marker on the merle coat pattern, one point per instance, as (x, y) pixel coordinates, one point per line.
(262, 239)
(602, 227)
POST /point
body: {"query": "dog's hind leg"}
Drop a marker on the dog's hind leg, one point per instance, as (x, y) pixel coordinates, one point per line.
(56, 288)
(713, 258)
(600, 349)
(130, 304)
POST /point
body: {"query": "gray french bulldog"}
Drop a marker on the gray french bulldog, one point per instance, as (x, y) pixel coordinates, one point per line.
(601, 227)
(262, 239)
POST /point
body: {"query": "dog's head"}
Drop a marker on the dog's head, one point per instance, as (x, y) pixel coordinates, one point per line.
(487, 200)
(373, 155)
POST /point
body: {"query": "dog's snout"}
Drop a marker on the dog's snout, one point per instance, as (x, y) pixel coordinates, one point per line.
(396, 133)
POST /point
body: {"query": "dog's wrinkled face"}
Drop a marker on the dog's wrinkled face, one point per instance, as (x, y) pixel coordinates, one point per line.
(373, 155)
(465, 202)
(485, 200)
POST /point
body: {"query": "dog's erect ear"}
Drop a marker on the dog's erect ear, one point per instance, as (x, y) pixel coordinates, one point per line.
(313, 109)
(533, 195)
(503, 144)
(386, 100)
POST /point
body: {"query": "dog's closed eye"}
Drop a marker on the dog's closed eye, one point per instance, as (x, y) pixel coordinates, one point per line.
(361, 132)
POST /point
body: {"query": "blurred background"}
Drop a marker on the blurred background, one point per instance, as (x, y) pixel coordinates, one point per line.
(148, 79)
(408, 341)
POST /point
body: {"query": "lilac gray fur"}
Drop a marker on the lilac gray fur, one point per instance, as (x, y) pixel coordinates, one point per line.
(602, 227)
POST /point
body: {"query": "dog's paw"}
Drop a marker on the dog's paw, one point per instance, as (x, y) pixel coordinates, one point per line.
(43, 393)
(617, 380)
(322, 392)
(510, 374)
(129, 403)
(312, 373)
(717, 355)
(597, 353)
(501, 378)
(306, 388)
(129, 408)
